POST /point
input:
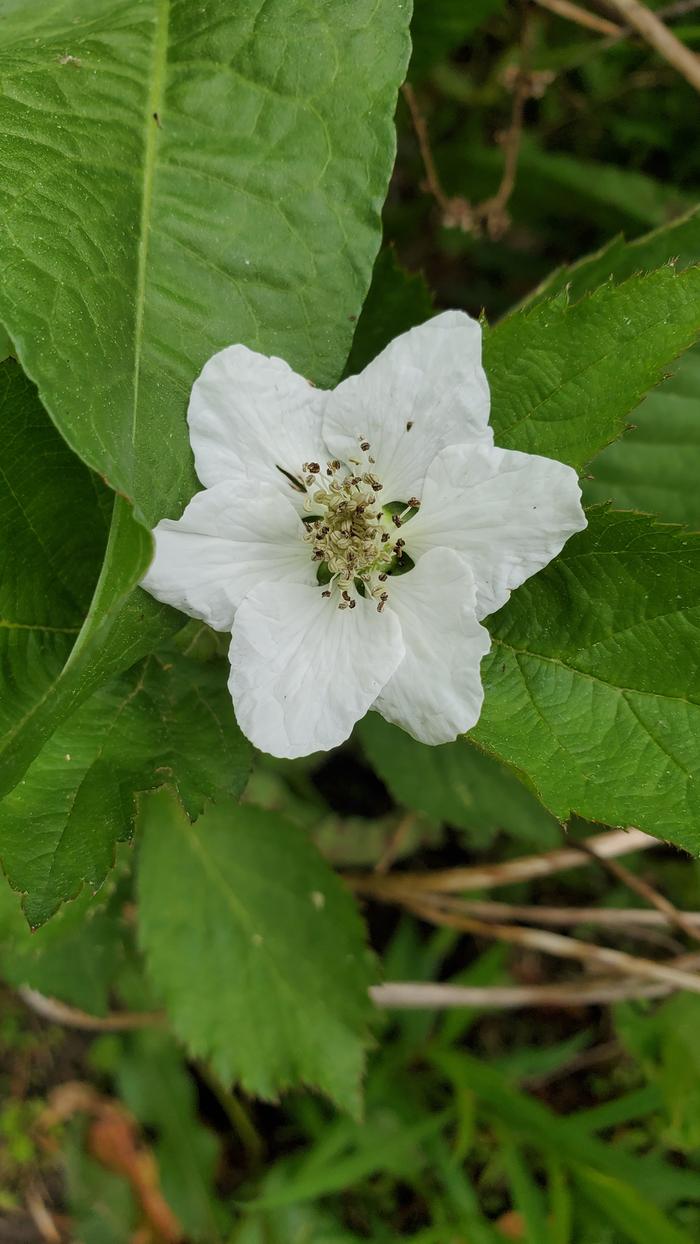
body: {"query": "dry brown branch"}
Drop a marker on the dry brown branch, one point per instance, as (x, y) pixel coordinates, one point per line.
(456, 211)
(41, 1216)
(627, 919)
(395, 843)
(558, 945)
(595, 991)
(70, 1017)
(639, 886)
(652, 29)
(488, 876)
(493, 211)
(582, 17)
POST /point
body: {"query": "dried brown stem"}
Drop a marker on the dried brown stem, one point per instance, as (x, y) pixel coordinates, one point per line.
(627, 919)
(395, 843)
(639, 886)
(600, 991)
(559, 946)
(652, 29)
(456, 211)
(70, 1017)
(582, 17)
(488, 876)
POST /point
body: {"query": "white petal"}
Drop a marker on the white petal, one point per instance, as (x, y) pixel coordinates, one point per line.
(303, 671)
(424, 391)
(250, 414)
(507, 512)
(436, 692)
(226, 542)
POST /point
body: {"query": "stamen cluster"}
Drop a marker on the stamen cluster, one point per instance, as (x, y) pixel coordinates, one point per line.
(350, 535)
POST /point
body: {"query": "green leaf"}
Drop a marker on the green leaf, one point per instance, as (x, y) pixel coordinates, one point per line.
(677, 244)
(169, 721)
(593, 688)
(203, 186)
(257, 949)
(634, 1216)
(397, 300)
(654, 466)
(154, 1083)
(73, 958)
(564, 378)
(441, 27)
(457, 784)
(184, 176)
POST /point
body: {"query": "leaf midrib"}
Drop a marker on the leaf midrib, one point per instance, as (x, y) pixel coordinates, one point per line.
(154, 105)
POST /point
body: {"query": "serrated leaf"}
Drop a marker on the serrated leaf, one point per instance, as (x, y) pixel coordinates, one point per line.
(160, 722)
(397, 300)
(256, 947)
(565, 378)
(654, 466)
(593, 688)
(457, 784)
(677, 244)
(199, 183)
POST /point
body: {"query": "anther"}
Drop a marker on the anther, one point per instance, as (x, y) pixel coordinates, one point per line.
(314, 468)
(396, 520)
(413, 502)
(383, 578)
(325, 593)
(353, 604)
(364, 446)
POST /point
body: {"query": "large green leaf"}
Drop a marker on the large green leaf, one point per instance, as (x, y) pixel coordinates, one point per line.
(163, 721)
(593, 683)
(184, 176)
(564, 378)
(654, 466)
(456, 783)
(256, 947)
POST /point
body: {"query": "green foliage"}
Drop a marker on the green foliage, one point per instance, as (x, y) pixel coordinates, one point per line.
(456, 784)
(166, 720)
(256, 948)
(217, 194)
(598, 704)
(564, 378)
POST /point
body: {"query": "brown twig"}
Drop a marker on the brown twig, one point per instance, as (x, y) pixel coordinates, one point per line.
(582, 17)
(488, 876)
(457, 212)
(558, 945)
(652, 29)
(395, 843)
(625, 918)
(41, 1216)
(70, 1017)
(597, 991)
(682, 920)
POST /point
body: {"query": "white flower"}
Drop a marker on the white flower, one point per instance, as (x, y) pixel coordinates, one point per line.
(352, 540)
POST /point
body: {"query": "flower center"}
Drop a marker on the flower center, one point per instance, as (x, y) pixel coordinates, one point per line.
(353, 537)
